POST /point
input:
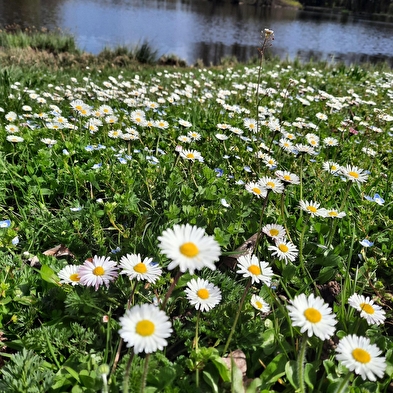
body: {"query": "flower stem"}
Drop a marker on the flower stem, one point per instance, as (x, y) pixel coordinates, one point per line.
(300, 364)
(171, 288)
(196, 346)
(127, 373)
(144, 375)
(237, 317)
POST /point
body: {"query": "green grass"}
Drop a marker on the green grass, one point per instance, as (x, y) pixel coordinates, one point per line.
(100, 194)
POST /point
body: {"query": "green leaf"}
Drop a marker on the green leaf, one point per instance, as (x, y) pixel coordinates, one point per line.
(48, 275)
(291, 371)
(310, 375)
(254, 386)
(86, 379)
(222, 368)
(274, 370)
(210, 381)
(237, 379)
(72, 372)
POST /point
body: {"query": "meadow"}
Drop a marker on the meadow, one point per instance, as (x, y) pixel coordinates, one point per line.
(196, 229)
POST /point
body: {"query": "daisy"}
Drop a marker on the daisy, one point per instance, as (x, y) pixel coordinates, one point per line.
(256, 189)
(312, 208)
(300, 148)
(313, 315)
(333, 213)
(330, 141)
(373, 313)
(184, 138)
(274, 231)
(269, 183)
(191, 155)
(194, 135)
(101, 270)
(11, 128)
(145, 328)
(355, 174)
(202, 294)
(134, 267)
(284, 250)
(185, 123)
(331, 167)
(69, 275)
(250, 124)
(161, 124)
(14, 138)
(259, 304)
(359, 355)
(189, 248)
(287, 177)
(251, 266)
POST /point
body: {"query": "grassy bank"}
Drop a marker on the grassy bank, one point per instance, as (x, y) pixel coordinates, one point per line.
(168, 229)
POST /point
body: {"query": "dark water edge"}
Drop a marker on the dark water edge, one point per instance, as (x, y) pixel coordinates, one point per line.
(218, 29)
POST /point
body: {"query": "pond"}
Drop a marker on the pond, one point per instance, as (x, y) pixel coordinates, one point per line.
(208, 30)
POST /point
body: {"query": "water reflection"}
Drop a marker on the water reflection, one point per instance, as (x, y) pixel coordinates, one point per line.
(207, 30)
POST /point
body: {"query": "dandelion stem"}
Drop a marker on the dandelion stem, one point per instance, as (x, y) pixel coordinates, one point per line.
(145, 370)
(237, 317)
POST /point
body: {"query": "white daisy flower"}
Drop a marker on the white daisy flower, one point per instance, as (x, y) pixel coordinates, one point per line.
(269, 183)
(14, 138)
(145, 328)
(202, 294)
(370, 311)
(331, 167)
(101, 270)
(251, 266)
(134, 267)
(288, 177)
(312, 315)
(330, 141)
(333, 213)
(69, 275)
(284, 250)
(359, 355)
(256, 189)
(189, 248)
(191, 155)
(274, 231)
(260, 304)
(312, 208)
(355, 174)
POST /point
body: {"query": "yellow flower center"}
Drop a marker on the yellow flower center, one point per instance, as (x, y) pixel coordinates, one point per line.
(283, 248)
(145, 328)
(274, 232)
(368, 308)
(254, 269)
(312, 315)
(259, 304)
(99, 271)
(353, 174)
(75, 277)
(140, 268)
(256, 190)
(333, 168)
(203, 293)
(287, 177)
(190, 155)
(312, 209)
(333, 214)
(360, 355)
(270, 184)
(189, 250)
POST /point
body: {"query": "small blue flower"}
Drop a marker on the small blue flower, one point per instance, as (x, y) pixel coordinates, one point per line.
(5, 224)
(116, 250)
(122, 160)
(15, 240)
(65, 152)
(97, 166)
(377, 199)
(366, 243)
(75, 209)
(219, 171)
(89, 148)
(247, 169)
